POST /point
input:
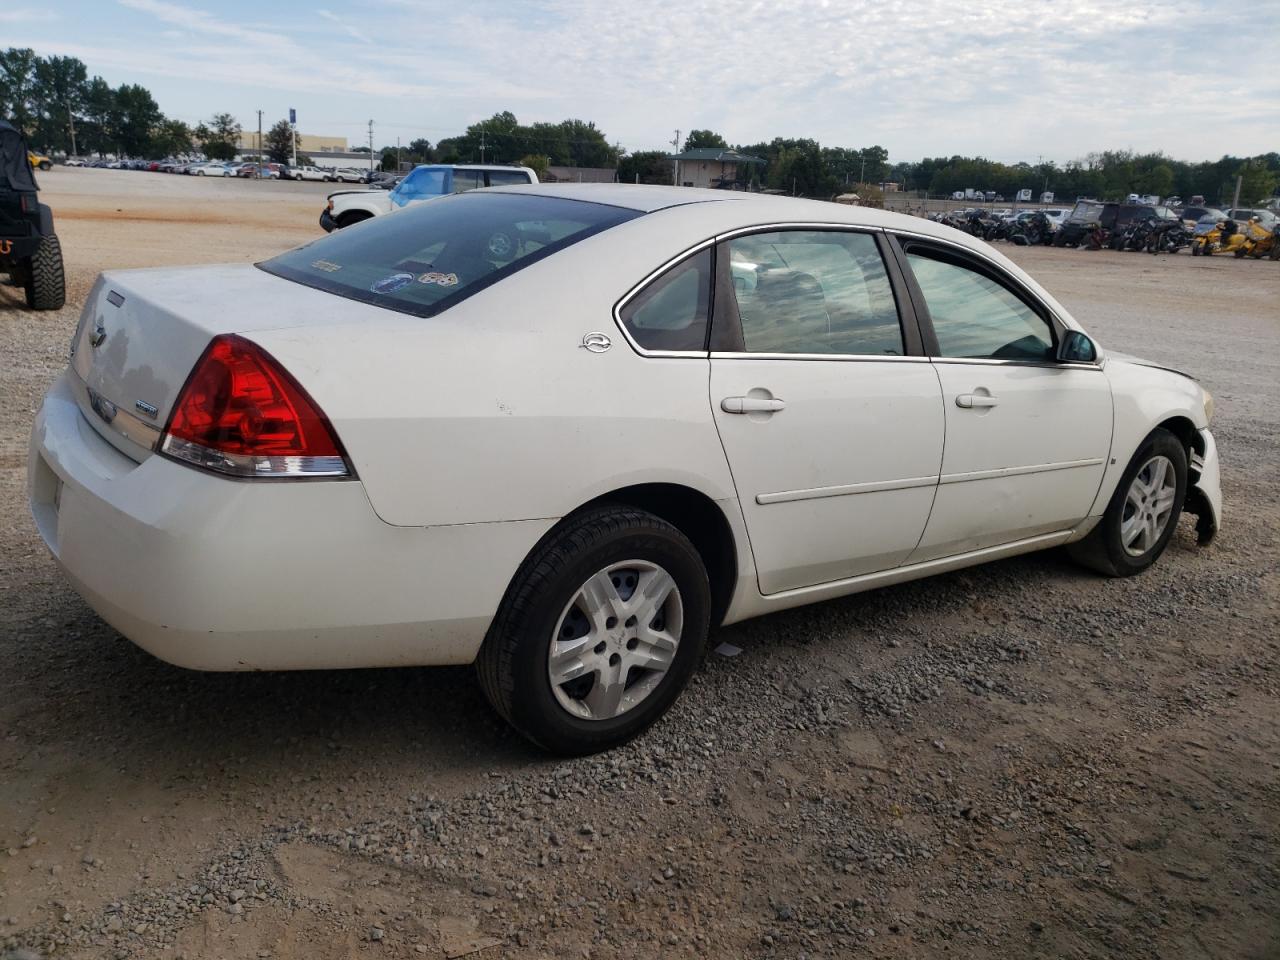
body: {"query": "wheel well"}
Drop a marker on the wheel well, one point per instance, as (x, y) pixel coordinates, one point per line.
(699, 518)
(353, 216)
(1185, 431)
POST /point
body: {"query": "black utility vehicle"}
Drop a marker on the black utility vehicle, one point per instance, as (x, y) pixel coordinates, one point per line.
(1113, 217)
(29, 249)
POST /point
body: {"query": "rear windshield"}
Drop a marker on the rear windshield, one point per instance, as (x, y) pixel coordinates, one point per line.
(425, 258)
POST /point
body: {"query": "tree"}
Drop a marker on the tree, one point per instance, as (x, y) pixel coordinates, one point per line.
(17, 87)
(99, 101)
(646, 166)
(704, 138)
(1257, 183)
(59, 95)
(220, 139)
(171, 137)
(135, 116)
(536, 162)
(280, 142)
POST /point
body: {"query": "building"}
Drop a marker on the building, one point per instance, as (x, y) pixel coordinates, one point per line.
(713, 167)
(308, 143)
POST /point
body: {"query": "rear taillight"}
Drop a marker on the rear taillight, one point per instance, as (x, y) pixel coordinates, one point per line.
(242, 414)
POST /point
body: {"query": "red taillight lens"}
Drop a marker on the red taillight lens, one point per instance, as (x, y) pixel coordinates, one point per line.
(240, 413)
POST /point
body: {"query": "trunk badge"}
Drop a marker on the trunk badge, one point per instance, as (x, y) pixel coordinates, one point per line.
(99, 334)
(596, 342)
(143, 407)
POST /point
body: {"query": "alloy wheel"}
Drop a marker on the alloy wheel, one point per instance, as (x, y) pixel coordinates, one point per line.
(615, 640)
(1148, 506)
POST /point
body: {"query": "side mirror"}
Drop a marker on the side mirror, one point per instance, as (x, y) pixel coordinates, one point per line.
(1077, 348)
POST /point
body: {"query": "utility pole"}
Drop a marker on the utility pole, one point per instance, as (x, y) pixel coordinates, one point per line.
(370, 149)
(1236, 202)
(862, 175)
(397, 154)
(259, 144)
(482, 143)
(71, 122)
(675, 174)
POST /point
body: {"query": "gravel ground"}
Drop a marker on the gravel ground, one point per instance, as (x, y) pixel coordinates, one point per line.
(1017, 760)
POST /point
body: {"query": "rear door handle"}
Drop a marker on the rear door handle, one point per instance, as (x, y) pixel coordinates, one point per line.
(751, 405)
(970, 400)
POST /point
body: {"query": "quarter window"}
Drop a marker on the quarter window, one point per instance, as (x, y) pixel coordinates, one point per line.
(671, 312)
(464, 180)
(814, 291)
(975, 317)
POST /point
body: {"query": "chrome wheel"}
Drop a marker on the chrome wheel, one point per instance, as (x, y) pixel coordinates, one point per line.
(1148, 506)
(615, 640)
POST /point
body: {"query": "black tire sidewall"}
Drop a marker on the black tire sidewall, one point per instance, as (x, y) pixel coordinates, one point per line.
(1159, 443)
(534, 708)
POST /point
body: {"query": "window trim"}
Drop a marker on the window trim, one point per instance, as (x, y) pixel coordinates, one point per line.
(903, 240)
(725, 309)
(655, 275)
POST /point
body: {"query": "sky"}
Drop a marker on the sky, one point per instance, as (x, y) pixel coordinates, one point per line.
(1005, 79)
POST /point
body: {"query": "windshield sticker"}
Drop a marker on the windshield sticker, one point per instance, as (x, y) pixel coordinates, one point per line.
(326, 266)
(392, 283)
(440, 279)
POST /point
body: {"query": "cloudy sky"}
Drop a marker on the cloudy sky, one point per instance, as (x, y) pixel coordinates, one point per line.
(1007, 79)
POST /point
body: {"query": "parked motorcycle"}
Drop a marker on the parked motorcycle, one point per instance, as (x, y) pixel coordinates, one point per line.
(1167, 236)
(1258, 242)
(1215, 237)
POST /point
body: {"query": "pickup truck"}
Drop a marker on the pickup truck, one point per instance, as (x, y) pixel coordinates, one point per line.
(312, 173)
(425, 182)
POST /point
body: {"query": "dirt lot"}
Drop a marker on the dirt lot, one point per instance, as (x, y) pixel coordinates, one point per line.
(1020, 760)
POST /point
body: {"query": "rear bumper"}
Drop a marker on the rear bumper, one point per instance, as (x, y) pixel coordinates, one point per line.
(13, 249)
(218, 574)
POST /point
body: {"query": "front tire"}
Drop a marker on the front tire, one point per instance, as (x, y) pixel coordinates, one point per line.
(46, 284)
(1143, 512)
(599, 631)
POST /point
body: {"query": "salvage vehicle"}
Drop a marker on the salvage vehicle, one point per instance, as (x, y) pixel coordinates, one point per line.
(30, 252)
(1259, 239)
(1216, 236)
(562, 432)
(425, 182)
(39, 161)
(1113, 217)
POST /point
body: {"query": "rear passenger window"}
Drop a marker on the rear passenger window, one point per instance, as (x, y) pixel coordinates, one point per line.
(671, 312)
(975, 317)
(464, 180)
(814, 291)
(505, 178)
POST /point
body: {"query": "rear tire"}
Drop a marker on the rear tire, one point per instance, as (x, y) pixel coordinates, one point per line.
(1105, 548)
(515, 662)
(46, 284)
(46, 165)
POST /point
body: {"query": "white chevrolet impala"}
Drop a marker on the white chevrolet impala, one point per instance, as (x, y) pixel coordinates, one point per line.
(563, 432)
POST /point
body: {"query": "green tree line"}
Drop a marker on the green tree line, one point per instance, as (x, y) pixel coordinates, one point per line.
(61, 109)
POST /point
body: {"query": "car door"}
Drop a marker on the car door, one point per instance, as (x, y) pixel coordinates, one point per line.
(830, 417)
(1027, 436)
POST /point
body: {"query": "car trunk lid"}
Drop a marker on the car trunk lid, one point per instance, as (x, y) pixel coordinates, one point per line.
(142, 331)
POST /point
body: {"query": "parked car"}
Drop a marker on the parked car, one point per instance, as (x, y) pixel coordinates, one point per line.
(214, 169)
(30, 252)
(1192, 215)
(39, 161)
(73, 162)
(1113, 217)
(425, 182)
(350, 175)
(1243, 215)
(531, 441)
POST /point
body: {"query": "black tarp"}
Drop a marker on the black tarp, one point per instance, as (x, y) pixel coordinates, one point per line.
(15, 167)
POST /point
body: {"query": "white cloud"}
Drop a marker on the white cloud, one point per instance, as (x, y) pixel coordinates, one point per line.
(27, 16)
(346, 28)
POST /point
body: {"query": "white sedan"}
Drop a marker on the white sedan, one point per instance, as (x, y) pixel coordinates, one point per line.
(563, 432)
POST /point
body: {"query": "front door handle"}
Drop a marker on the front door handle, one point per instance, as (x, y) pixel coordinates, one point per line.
(970, 400)
(751, 405)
